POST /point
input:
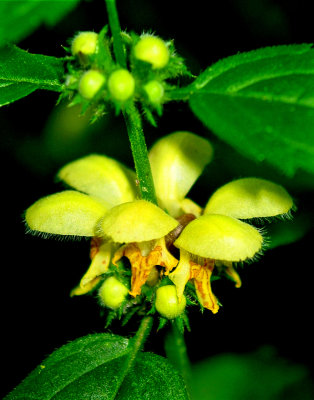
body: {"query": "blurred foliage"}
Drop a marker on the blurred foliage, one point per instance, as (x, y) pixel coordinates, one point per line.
(260, 376)
(27, 15)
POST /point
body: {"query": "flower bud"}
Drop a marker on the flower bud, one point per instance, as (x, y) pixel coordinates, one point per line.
(112, 293)
(152, 50)
(154, 91)
(90, 83)
(167, 302)
(121, 84)
(84, 43)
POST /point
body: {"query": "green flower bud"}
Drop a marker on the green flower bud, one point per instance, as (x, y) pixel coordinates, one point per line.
(152, 50)
(85, 43)
(154, 91)
(121, 84)
(112, 293)
(167, 302)
(90, 84)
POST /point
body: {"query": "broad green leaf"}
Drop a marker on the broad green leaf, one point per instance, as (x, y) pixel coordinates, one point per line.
(262, 103)
(84, 369)
(20, 18)
(152, 378)
(21, 73)
(93, 367)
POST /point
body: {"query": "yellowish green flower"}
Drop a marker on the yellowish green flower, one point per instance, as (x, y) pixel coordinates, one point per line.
(110, 213)
(105, 207)
(216, 236)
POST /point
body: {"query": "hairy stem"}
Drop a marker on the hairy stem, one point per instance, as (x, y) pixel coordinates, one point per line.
(116, 32)
(137, 344)
(132, 116)
(140, 155)
(177, 354)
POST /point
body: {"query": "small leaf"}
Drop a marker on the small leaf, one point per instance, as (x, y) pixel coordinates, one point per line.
(20, 18)
(262, 103)
(21, 73)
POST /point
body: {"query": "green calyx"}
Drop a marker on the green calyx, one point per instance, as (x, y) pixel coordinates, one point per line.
(140, 73)
(155, 91)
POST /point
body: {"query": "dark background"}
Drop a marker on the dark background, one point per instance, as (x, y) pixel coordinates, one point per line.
(274, 306)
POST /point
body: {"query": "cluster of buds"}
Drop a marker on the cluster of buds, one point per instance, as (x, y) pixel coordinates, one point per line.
(150, 258)
(96, 79)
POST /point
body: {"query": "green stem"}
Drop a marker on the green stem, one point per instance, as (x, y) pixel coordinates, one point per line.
(116, 32)
(140, 155)
(177, 354)
(137, 344)
(132, 117)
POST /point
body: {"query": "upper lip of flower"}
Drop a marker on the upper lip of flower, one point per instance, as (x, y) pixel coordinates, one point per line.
(108, 206)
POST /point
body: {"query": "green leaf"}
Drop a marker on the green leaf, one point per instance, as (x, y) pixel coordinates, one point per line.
(21, 73)
(261, 103)
(152, 378)
(88, 365)
(20, 18)
(91, 368)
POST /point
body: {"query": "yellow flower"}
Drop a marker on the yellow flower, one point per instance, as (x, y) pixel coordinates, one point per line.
(214, 236)
(109, 213)
(106, 208)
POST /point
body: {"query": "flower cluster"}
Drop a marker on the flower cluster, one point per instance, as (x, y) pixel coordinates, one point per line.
(96, 79)
(176, 242)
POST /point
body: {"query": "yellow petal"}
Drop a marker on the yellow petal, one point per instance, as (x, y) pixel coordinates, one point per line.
(101, 256)
(137, 221)
(188, 206)
(201, 275)
(102, 177)
(78, 290)
(177, 160)
(143, 261)
(181, 274)
(221, 238)
(229, 270)
(65, 213)
(250, 198)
